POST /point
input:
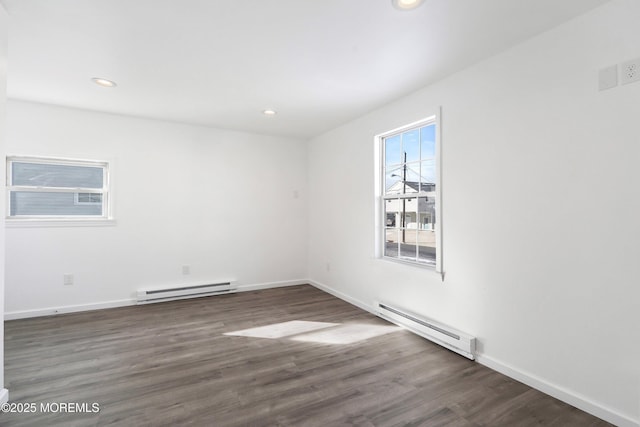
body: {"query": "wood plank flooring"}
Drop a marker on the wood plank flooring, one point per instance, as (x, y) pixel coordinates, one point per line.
(170, 364)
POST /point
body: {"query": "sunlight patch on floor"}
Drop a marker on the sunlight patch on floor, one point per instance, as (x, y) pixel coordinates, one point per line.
(281, 330)
(318, 332)
(346, 334)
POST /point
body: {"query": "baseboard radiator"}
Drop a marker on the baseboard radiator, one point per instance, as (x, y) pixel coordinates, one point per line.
(443, 335)
(147, 296)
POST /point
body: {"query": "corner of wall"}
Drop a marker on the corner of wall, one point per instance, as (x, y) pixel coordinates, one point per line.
(4, 396)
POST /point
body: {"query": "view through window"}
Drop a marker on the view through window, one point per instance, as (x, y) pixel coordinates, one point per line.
(409, 194)
(52, 188)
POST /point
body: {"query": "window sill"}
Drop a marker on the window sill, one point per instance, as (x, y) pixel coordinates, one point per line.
(409, 263)
(35, 223)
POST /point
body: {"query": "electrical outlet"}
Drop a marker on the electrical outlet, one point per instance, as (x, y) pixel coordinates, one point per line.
(68, 279)
(186, 270)
(630, 71)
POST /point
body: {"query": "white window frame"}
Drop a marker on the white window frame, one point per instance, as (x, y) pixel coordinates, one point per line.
(380, 214)
(105, 218)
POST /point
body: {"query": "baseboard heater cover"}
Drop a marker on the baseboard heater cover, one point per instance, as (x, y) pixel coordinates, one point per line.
(443, 335)
(147, 296)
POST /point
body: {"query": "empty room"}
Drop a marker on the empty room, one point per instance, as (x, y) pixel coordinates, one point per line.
(320, 213)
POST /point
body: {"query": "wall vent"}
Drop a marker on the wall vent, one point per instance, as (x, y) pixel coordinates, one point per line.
(146, 296)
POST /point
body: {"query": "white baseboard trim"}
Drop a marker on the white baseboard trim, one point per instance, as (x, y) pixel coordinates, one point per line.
(49, 311)
(344, 297)
(567, 396)
(4, 396)
(24, 314)
(270, 285)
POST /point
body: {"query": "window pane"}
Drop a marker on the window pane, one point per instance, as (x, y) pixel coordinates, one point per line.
(393, 150)
(426, 213)
(427, 247)
(392, 213)
(91, 198)
(428, 142)
(428, 175)
(426, 231)
(408, 250)
(411, 187)
(411, 145)
(52, 204)
(391, 242)
(409, 235)
(393, 181)
(413, 178)
(51, 175)
(410, 209)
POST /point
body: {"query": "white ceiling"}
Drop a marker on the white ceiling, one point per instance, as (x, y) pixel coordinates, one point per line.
(319, 63)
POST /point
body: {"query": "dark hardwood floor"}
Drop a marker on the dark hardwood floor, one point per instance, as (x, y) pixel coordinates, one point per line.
(172, 364)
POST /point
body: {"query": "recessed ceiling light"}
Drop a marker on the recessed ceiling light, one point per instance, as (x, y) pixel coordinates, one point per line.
(269, 112)
(103, 82)
(406, 4)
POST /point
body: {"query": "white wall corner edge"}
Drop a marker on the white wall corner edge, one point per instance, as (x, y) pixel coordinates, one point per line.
(581, 402)
(4, 396)
(344, 297)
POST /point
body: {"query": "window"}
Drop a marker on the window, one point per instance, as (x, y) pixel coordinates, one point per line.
(409, 194)
(40, 188)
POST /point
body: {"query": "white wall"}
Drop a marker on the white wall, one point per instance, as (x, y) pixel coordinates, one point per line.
(541, 212)
(3, 98)
(221, 202)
